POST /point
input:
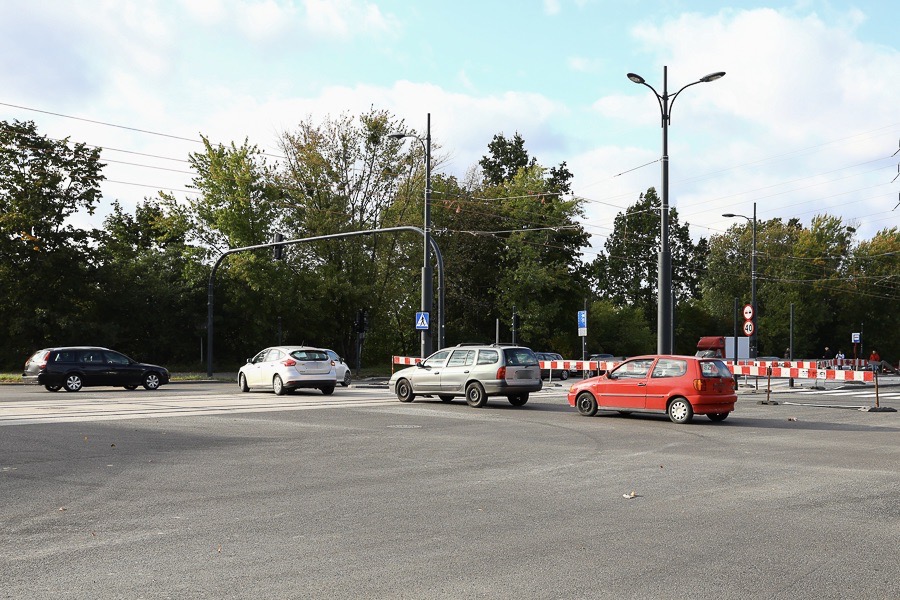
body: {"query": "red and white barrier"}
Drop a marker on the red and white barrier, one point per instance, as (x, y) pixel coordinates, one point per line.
(801, 373)
(780, 369)
(405, 360)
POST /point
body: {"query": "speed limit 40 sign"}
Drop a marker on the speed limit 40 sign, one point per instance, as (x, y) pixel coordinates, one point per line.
(748, 328)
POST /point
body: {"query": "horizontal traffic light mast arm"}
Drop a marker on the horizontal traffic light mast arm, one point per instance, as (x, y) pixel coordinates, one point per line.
(212, 276)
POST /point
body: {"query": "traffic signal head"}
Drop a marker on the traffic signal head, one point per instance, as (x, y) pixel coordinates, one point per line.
(277, 251)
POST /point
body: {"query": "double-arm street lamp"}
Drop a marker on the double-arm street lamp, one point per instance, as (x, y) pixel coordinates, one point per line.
(427, 285)
(664, 279)
(752, 274)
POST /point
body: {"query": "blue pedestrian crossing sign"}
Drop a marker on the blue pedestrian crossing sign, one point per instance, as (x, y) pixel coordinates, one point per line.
(421, 320)
(582, 323)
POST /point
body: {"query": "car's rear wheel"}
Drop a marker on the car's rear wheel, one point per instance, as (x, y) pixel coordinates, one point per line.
(73, 382)
(445, 398)
(518, 399)
(278, 386)
(242, 382)
(586, 404)
(130, 388)
(328, 390)
(680, 411)
(404, 391)
(346, 380)
(152, 381)
(717, 416)
(475, 395)
(564, 375)
(52, 388)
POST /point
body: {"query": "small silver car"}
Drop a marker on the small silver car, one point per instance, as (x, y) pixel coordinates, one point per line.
(283, 369)
(341, 368)
(474, 372)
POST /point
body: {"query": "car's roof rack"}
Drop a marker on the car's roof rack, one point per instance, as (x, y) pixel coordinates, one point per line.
(500, 345)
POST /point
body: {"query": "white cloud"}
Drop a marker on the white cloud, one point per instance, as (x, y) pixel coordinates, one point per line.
(552, 7)
(343, 18)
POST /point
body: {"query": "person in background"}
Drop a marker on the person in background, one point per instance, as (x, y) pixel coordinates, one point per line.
(838, 358)
(874, 359)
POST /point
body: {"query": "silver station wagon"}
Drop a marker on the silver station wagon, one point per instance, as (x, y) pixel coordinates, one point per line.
(474, 372)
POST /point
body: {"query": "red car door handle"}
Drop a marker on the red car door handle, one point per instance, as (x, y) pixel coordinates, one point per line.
(642, 385)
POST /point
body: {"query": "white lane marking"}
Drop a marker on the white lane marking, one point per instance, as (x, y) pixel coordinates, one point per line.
(21, 413)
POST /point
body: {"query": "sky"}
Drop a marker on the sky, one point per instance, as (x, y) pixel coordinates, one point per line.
(805, 121)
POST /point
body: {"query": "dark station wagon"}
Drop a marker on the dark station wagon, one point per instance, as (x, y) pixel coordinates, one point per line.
(74, 367)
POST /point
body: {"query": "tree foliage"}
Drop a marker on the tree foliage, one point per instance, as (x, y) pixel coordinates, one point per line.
(47, 262)
(510, 234)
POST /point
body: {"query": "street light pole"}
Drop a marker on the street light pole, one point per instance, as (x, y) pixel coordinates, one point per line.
(664, 333)
(427, 274)
(753, 338)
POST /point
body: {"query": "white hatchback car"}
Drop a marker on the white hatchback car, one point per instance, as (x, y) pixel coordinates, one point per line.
(286, 368)
(341, 368)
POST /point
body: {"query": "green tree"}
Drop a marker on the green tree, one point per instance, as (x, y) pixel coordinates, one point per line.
(626, 271)
(239, 206)
(47, 263)
(147, 264)
(345, 175)
(505, 158)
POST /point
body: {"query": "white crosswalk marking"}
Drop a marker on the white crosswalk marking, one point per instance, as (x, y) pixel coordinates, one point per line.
(32, 412)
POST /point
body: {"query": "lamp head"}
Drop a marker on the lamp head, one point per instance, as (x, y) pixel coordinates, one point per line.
(729, 215)
(397, 136)
(636, 78)
(712, 76)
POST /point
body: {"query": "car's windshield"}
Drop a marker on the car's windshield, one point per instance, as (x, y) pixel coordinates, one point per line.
(520, 357)
(437, 359)
(633, 369)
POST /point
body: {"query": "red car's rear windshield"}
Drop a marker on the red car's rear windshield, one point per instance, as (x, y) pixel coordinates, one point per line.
(714, 368)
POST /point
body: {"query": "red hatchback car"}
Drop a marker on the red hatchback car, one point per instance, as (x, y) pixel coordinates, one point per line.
(679, 386)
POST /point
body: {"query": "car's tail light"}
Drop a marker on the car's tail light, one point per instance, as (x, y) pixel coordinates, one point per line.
(501, 373)
(700, 385)
(290, 362)
(44, 360)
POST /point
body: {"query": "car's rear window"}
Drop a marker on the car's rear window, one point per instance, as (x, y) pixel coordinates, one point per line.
(714, 368)
(520, 357)
(310, 355)
(488, 357)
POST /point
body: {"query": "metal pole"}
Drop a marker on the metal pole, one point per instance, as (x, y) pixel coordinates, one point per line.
(664, 292)
(791, 343)
(427, 291)
(753, 339)
(735, 316)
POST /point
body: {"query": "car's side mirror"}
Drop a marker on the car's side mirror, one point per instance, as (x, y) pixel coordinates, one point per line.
(249, 361)
(420, 364)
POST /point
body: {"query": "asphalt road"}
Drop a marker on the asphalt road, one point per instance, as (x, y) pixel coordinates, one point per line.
(198, 491)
